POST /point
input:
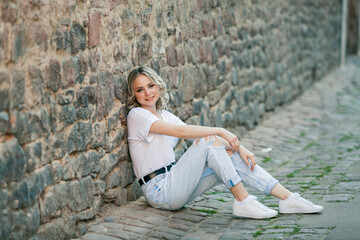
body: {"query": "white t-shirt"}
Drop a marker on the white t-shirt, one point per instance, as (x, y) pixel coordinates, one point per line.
(149, 151)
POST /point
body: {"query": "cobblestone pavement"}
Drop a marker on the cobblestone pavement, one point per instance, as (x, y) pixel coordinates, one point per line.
(315, 151)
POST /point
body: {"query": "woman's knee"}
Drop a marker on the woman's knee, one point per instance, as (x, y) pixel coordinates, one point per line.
(209, 140)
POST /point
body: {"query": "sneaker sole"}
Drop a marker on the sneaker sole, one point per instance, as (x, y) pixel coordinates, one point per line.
(294, 210)
(253, 216)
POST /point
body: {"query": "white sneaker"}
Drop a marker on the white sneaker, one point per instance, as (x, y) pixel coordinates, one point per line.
(251, 208)
(297, 204)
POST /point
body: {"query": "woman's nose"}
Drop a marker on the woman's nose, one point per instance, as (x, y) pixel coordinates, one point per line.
(147, 92)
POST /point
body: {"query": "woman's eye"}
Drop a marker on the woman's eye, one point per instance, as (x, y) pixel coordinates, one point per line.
(152, 85)
(139, 90)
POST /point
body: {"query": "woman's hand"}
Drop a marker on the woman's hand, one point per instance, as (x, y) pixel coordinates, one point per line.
(231, 139)
(246, 155)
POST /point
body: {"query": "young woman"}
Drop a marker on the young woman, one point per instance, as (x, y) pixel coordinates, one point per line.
(215, 157)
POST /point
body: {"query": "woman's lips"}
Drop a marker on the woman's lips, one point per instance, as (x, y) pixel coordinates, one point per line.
(149, 99)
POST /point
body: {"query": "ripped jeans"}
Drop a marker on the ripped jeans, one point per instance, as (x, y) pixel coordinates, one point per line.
(203, 166)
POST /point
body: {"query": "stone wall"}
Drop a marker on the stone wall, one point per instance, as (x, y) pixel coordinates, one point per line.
(63, 67)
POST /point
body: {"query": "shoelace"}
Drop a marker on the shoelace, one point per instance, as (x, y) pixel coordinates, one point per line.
(259, 204)
(297, 196)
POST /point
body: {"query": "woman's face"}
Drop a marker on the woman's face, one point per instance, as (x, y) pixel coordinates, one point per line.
(146, 92)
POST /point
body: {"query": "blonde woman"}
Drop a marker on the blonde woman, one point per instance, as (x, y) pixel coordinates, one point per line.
(215, 157)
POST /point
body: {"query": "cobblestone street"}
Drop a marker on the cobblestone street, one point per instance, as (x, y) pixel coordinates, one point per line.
(312, 145)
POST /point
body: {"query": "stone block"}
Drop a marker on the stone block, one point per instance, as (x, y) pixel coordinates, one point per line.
(104, 94)
(4, 91)
(205, 51)
(107, 164)
(12, 161)
(67, 116)
(19, 43)
(93, 59)
(62, 228)
(85, 215)
(120, 87)
(53, 75)
(81, 194)
(77, 38)
(113, 178)
(27, 221)
(57, 169)
(134, 191)
(99, 187)
(37, 84)
(94, 29)
(53, 199)
(9, 12)
(121, 198)
(17, 89)
(4, 122)
(29, 126)
(193, 51)
(84, 113)
(99, 137)
(126, 173)
(3, 199)
(66, 97)
(59, 145)
(26, 192)
(79, 137)
(85, 96)
(171, 55)
(144, 49)
(115, 139)
(70, 167)
(73, 71)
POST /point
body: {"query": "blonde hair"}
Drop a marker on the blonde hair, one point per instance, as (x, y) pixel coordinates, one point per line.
(150, 73)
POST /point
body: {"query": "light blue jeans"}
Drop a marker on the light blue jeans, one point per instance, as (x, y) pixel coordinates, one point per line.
(202, 167)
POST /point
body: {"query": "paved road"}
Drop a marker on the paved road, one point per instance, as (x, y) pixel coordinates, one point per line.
(315, 150)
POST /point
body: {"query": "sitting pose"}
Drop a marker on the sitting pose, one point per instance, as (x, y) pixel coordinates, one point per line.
(215, 157)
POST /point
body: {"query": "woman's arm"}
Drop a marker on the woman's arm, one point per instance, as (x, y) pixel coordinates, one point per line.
(193, 131)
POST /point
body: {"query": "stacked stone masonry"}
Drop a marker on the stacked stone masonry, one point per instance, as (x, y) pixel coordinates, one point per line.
(63, 68)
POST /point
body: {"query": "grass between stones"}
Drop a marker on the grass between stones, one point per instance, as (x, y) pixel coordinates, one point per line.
(208, 211)
(267, 159)
(311, 144)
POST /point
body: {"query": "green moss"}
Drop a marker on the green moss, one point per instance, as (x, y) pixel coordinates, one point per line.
(208, 211)
(220, 200)
(311, 144)
(257, 233)
(303, 133)
(267, 159)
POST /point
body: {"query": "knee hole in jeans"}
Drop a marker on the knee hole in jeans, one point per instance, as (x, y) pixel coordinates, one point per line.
(216, 141)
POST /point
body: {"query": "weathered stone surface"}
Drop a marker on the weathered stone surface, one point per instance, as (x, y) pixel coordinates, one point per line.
(4, 122)
(73, 70)
(53, 75)
(27, 191)
(19, 47)
(12, 159)
(77, 38)
(17, 89)
(79, 137)
(144, 49)
(94, 29)
(4, 91)
(104, 94)
(108, 163)
(81, 194)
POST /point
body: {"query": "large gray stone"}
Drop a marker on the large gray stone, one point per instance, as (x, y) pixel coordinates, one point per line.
(4, 91)
(79, 137)
(17, 89)
(104, 94)
(12, 161)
